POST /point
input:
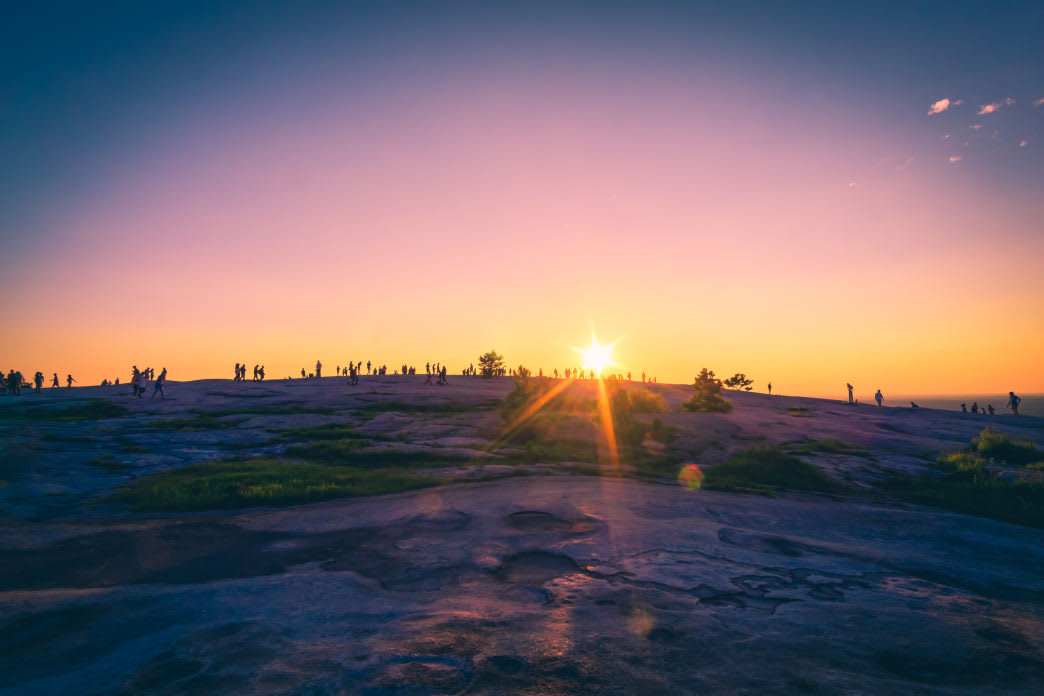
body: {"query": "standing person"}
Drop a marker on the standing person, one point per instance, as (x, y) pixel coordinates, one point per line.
(964, 408)
(69, 380)
(878, 397)
(54, 382)
(1013, 403)
(975, 407)
(770, 388)
(989, 409)
(236, 378)
(367, 367)
(851, 400)
(157, 386)
(261, 374)
(38, 378)
(318, 369)
(143, 380)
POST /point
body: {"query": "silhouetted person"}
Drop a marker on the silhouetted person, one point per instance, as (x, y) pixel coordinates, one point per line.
(643, 376)
(54, 381)
(143, 380)
(318, 369)
(878, 397)
(303, 373)
(913, 405)
(975, 407)
(38, 379)
(964, 408)
(1013, 403)
(157, 386)
(261, 374)
(255, 373)
(770, 388)
(236, 378)
(851, 400)
(69, 380)
(989, 409)
(367, 367)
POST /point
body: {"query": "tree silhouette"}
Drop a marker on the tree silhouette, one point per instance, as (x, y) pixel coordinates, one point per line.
(490, 364)
(707, 398)
(739, 381)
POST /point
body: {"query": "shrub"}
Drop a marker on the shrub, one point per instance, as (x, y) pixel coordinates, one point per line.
(644, 401)
(766, 467)
(994, 444)
(707, 398)
(490, 364)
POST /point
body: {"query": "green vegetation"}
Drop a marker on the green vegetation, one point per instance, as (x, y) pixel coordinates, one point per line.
(490, 364)
(644, 401)
(327, 431)
(372, 410)
(65, 437)
(707, 398)
(969, 488)
(195, 423)
(993, 444)
(797, 409)
(107, 462)
(739, 381)
(95, 409)
(766, 468)
(256, 482)
(826, 446)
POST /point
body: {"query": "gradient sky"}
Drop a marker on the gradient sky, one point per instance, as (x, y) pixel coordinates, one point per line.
(811, 193)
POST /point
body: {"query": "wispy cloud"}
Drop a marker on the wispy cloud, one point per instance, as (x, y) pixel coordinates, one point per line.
(976, 126)
(943, 104)
(954, 159)
(995, 106)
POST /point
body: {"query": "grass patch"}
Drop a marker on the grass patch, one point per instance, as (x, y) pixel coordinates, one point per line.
(327, 431)
(970, 489)
(797, 409)
(195, 423)
(348, 453)
(766, 468)
(95, 409)
(826, 446)
(259, 482)
(107, 462)
(993, 444)
(61, 437)
(372, 410)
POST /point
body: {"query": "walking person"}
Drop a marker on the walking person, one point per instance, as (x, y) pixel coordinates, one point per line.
(851, 400)
(38, 378)
(54, 382)
(69, 381)
(1013, 403)
(878, 397)
(157, 386)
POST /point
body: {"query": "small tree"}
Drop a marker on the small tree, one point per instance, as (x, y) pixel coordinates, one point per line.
(490, 364)
(739, 381)
(707, 398)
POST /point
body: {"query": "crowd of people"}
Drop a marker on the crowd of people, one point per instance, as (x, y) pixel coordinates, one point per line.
(14, 382)
(240, 373)
(1012, 405)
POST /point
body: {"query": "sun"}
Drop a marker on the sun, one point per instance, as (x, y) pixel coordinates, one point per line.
(597, 357)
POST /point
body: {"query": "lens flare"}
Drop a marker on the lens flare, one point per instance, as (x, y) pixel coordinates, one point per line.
(691, 477)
